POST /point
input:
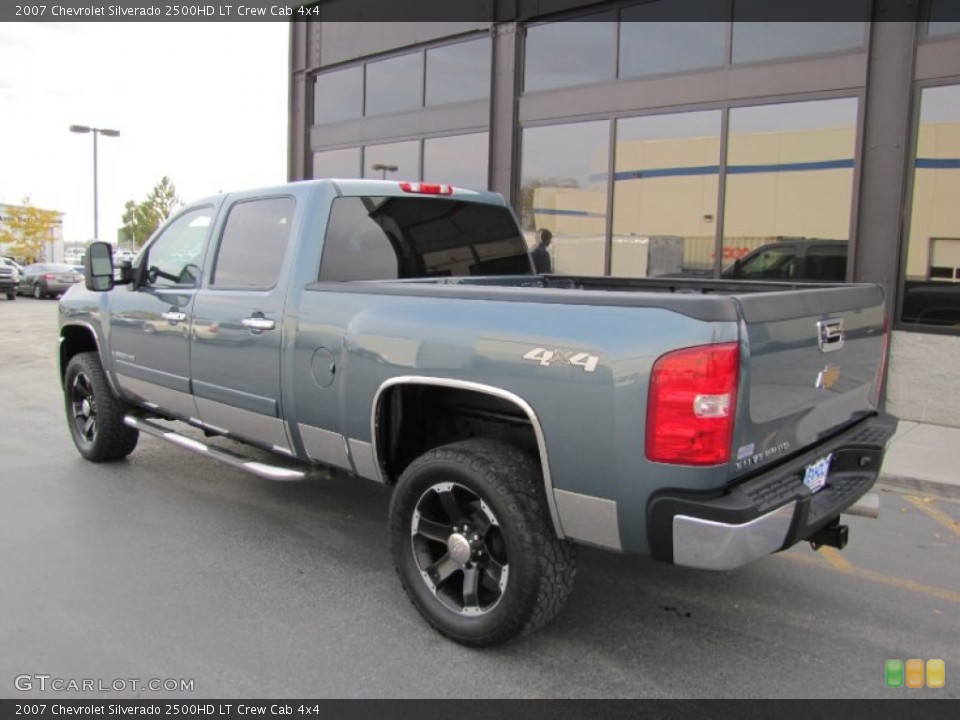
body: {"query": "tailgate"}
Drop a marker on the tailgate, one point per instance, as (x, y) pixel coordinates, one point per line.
(811, 369)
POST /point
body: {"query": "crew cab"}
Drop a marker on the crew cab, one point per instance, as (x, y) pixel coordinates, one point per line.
(398, 332)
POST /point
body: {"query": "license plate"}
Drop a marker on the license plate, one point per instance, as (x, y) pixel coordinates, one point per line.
(815, 476)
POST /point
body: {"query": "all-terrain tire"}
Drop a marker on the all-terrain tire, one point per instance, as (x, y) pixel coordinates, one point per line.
(94, 413)
(518, 575)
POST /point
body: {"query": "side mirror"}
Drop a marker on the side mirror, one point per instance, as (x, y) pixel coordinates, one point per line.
(98, 267)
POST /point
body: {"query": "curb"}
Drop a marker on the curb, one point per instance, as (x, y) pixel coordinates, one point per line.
(920, 485)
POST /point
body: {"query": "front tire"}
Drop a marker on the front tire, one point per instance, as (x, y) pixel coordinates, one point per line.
(473, 544)
(94, 413)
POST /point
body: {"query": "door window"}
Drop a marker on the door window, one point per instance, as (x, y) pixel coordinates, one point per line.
(253, 244)
(174, 258)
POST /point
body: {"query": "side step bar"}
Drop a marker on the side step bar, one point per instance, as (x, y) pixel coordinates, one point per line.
(261, 470)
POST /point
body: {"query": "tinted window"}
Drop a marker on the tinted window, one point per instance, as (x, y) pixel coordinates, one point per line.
(774, 263)
(943, 18)
(338, 95)
(564, 181)
(790, 174)
(395, 84)
(817, 28)
(392, 161)
(337, 163)
(459, 72)
(826, 263)
(254, 243)
(666, 184)
(377, 238)
(174, 258)
(570, 53)
(459, 160)
(649, 44)
(932, 264)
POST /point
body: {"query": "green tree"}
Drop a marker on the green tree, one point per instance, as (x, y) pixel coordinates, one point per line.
(140, 220)
(26, 230)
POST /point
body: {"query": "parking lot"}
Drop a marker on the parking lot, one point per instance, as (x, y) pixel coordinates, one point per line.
(171, 566)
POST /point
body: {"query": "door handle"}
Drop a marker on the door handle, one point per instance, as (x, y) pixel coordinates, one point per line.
(259, 324)
(173, 316)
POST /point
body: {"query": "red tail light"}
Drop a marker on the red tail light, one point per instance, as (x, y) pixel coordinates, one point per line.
(47, 276)
(426, 188)
(692, 404)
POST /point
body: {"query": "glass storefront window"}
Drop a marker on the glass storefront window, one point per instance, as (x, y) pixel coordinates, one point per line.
(338, 95)
(943, 19)
(392, 161)
(563, 54)
(343, 163)
(460, 160)
(931, 294)
(459, 72)
(666, 184)
(812, 32)
(649, 44)
(564, 178)
(790, 172)
(395, 84)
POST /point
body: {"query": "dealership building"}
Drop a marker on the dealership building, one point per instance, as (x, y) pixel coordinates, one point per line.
(648, 145)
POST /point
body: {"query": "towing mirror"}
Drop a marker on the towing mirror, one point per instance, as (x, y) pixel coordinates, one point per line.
(98, 267)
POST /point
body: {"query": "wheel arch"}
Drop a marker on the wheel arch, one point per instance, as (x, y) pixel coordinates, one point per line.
(76, 338)
(388, 390)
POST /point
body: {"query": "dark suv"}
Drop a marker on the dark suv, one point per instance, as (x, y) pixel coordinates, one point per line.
(803, 260)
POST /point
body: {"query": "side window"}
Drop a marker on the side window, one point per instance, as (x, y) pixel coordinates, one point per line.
(253, 244)
(826, 263)
(775, 263)
(356, 247)
(174, 258)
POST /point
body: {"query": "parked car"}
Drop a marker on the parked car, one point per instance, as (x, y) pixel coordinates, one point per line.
(361, 324)
(797, 260)
(9, 278)
(48, 279)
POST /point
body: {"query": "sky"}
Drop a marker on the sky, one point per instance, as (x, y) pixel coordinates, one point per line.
(202, 103)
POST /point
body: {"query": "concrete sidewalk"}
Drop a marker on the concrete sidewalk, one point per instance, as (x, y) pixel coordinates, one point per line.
(923, 458)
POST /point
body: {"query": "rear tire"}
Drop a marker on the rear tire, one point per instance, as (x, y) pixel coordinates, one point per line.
(94, 413)
(11, 296)
(37, 293)
(473, 544)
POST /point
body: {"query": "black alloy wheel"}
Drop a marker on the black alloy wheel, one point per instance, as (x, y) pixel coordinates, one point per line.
(94, 413)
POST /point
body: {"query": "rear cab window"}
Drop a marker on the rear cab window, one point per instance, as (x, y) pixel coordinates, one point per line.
(392, 238)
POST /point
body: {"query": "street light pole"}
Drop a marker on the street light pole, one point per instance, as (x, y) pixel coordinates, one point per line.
(96, 131)
(384, 169)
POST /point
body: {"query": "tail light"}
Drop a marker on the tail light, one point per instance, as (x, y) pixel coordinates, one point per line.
(47, 276)
(426, 188)
(692, 404)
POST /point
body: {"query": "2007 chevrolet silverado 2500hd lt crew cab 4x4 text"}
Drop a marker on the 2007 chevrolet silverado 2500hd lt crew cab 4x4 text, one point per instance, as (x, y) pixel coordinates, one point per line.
(397, 331)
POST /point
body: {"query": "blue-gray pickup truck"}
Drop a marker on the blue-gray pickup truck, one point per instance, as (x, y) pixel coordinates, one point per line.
(398, 332)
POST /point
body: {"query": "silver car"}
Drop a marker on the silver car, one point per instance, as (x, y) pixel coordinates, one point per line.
(47, 279)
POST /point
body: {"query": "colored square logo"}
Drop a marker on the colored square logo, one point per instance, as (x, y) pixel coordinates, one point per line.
(936, 673)
(914, 675)
(894, 673)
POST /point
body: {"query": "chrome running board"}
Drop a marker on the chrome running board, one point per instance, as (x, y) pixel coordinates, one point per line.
(261, 470)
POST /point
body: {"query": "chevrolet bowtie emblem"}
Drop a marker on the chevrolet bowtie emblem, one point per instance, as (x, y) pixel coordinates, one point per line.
(827, 377)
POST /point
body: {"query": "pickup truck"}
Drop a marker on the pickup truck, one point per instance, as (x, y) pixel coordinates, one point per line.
(398, 332)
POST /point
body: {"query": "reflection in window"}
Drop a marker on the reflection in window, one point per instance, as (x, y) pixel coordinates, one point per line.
(459, 72)
(790, 170)
(338, 95)
(649, 44)
(459, 160)
(931, 294)
(392, 161)
(175, 257)
(665, 194)
(343, 163)
(395, 84)
(563, 178)
(943, 18)
(812, 32)
(563, 54)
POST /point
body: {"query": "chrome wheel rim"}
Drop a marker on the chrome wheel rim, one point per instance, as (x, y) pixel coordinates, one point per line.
(459, 549)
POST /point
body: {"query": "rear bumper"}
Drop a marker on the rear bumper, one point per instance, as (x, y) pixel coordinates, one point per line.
(731, 527)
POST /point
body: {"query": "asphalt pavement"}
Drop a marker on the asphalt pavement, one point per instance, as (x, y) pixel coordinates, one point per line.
(171, 566)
